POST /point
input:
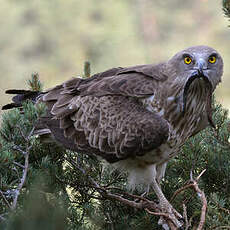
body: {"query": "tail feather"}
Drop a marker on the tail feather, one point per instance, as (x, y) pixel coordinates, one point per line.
(22, 95)
(10, 106)
(17, 91)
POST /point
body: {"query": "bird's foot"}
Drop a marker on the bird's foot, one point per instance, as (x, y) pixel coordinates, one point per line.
(170, 215)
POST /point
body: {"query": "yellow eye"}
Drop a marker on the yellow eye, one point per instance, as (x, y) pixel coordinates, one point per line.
(187, 60)
(212, 59)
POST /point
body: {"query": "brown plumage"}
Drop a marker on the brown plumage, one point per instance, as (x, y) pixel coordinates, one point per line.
(104, 114)
(138, 116)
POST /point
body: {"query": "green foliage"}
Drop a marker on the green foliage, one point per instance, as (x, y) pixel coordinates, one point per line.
(40, 211)
(35, 83)
(226, 8)
(87, 69)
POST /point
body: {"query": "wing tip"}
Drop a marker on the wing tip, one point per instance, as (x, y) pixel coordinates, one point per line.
(16, 91)
(10, 106)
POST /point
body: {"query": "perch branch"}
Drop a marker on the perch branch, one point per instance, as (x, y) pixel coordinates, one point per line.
(143, 203)
(204, 205)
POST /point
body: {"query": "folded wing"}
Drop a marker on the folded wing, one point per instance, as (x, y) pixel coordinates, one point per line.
(104, 115)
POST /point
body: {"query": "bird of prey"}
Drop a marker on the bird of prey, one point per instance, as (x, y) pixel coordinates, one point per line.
(136, 118)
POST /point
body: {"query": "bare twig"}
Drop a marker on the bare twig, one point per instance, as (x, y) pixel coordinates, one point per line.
(204, 205)
(127, 202)
(16, 147)
(18, 164)
(129, 194)
(157, 213)
(202, 197)
(23, 179)
(198, 177)
(185, 217)
(188, 185)
(31, 133)
(180, 190)
(4, 199)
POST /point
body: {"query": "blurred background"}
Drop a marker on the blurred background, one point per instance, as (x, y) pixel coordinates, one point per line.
(55, 37)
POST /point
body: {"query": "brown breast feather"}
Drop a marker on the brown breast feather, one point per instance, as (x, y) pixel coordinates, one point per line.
(102, 115)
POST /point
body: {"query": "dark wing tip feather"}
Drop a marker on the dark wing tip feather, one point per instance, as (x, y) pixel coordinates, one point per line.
(16, 91)
(10, 106)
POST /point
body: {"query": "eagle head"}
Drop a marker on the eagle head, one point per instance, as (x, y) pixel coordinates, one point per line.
(198, 67)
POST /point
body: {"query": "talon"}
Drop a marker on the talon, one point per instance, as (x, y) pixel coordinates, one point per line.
(174, 216)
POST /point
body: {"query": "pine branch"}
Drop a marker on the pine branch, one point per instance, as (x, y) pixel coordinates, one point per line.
(87, 69)
(226, 8)
(35, 84)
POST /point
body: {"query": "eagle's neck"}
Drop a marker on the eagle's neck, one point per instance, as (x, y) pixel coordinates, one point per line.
(195, 117)
(169, 106)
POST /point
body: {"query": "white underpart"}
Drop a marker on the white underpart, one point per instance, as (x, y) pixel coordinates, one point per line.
(138, 177)
(142, 170)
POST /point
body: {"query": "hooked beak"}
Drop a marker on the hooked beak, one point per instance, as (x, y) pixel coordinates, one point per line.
(201, 67)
